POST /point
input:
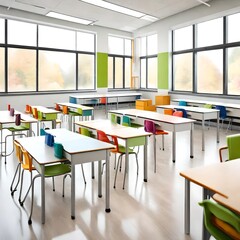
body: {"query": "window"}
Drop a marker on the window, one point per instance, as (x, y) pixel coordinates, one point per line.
(56, 70)
(44, 58)
(21, 70)
(119, 62)
(148, 62)
(210, 65)
(22, 33)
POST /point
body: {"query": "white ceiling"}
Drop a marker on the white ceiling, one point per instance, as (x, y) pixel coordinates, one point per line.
(103, 17)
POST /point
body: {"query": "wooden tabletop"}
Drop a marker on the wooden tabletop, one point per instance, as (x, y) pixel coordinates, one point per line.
(221, 178)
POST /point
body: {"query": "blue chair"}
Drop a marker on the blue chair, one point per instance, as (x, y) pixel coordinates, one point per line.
(223, 115)
(182, 103)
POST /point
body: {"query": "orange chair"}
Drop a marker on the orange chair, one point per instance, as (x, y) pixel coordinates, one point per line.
(168, 111)
(149, 126)
(178, 113)
(119, 149)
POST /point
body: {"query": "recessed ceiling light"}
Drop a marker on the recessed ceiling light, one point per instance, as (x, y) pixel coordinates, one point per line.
(69, 18)
(116, 8)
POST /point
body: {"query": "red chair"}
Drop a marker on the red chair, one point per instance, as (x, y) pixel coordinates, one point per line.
(149, 126)
(178, 114)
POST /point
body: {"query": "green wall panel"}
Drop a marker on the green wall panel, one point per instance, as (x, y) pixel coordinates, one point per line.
(102, 70)
(163, 70)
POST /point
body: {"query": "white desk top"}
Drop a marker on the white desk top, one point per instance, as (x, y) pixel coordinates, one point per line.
(110, 128)
(107, 95)
(6, 118)
(73, 143)
(45, 110)
(74, 105)
(153, 116)
(190, 109)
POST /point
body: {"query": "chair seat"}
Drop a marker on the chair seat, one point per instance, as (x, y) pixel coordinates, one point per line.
(135, 125)
(57, 169)
(17, 129)
(161, 132)
(122, 149)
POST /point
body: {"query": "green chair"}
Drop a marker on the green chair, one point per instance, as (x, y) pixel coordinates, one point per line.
(220, 222)
(127, 121)
(115, 119)
(233, 143)
(50, 171)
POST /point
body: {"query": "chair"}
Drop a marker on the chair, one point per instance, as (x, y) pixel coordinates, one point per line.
(185, 115)
(115, 119)
(221, 223)
(150, 126)
(127, 121)
(168, 111)
(50, 171)
(182, 103)
(233, 143)
(223, 115)
(178, 113)
(118, 150)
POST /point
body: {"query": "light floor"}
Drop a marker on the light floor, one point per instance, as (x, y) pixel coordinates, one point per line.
(152, 210)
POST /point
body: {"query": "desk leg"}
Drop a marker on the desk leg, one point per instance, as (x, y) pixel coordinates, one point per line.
(217, 127)
(107, 184)
(173, 146)
(43, 192)
(54, 123)
(187, 207)
(191, 141)
(203, 137)
(205, 233)
(100, 178)
(73, 191)
(93, 172)
(145, 160)
(126, 164)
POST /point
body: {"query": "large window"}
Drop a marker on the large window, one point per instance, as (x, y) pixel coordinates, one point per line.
(119, 62)
(43, 58)
(148, 62)
(206, 57)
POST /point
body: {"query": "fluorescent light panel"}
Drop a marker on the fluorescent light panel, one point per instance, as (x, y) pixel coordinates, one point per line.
(69, 18)
(149, 18)
(120, 9)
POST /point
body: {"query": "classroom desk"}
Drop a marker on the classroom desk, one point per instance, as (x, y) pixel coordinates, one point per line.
(233, 110)
(166, 122)
(7, 120)
(128, 134)
(83, 111)
(117, 96)
(48, 114)
(220, 178)
(78, 149)
(197, 113)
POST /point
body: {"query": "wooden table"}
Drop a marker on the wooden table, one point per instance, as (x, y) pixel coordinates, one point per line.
(78, 149)
(166, 122)
(128, 134)
(220, 178)
(197, 113)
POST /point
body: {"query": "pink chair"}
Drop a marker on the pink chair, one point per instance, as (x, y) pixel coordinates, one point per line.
(149, 126)
(178, 113)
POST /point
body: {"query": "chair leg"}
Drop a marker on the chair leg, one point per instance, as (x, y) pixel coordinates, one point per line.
(115, 179)
(83, 174)
(20, 194)
(53, 184)
(64, 183)
(163, 142)
(18, 171)
(155, 163)
(136, 162)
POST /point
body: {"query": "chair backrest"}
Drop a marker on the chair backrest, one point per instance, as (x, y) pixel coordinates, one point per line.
(27, 109)
(220, 222)
(126, 121)
(35, 113)
(18, 119)
(102, 136)
(18, 151)
(27, 159)
(183, 111)
(233, 143)
(57, 107)
(222, 111)
(149, 126)
(103, 100)
(115, 142)
(178, 114)
(85, 132)
(182, 103)
(65, 109)
(168, 111)
(207, 105)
